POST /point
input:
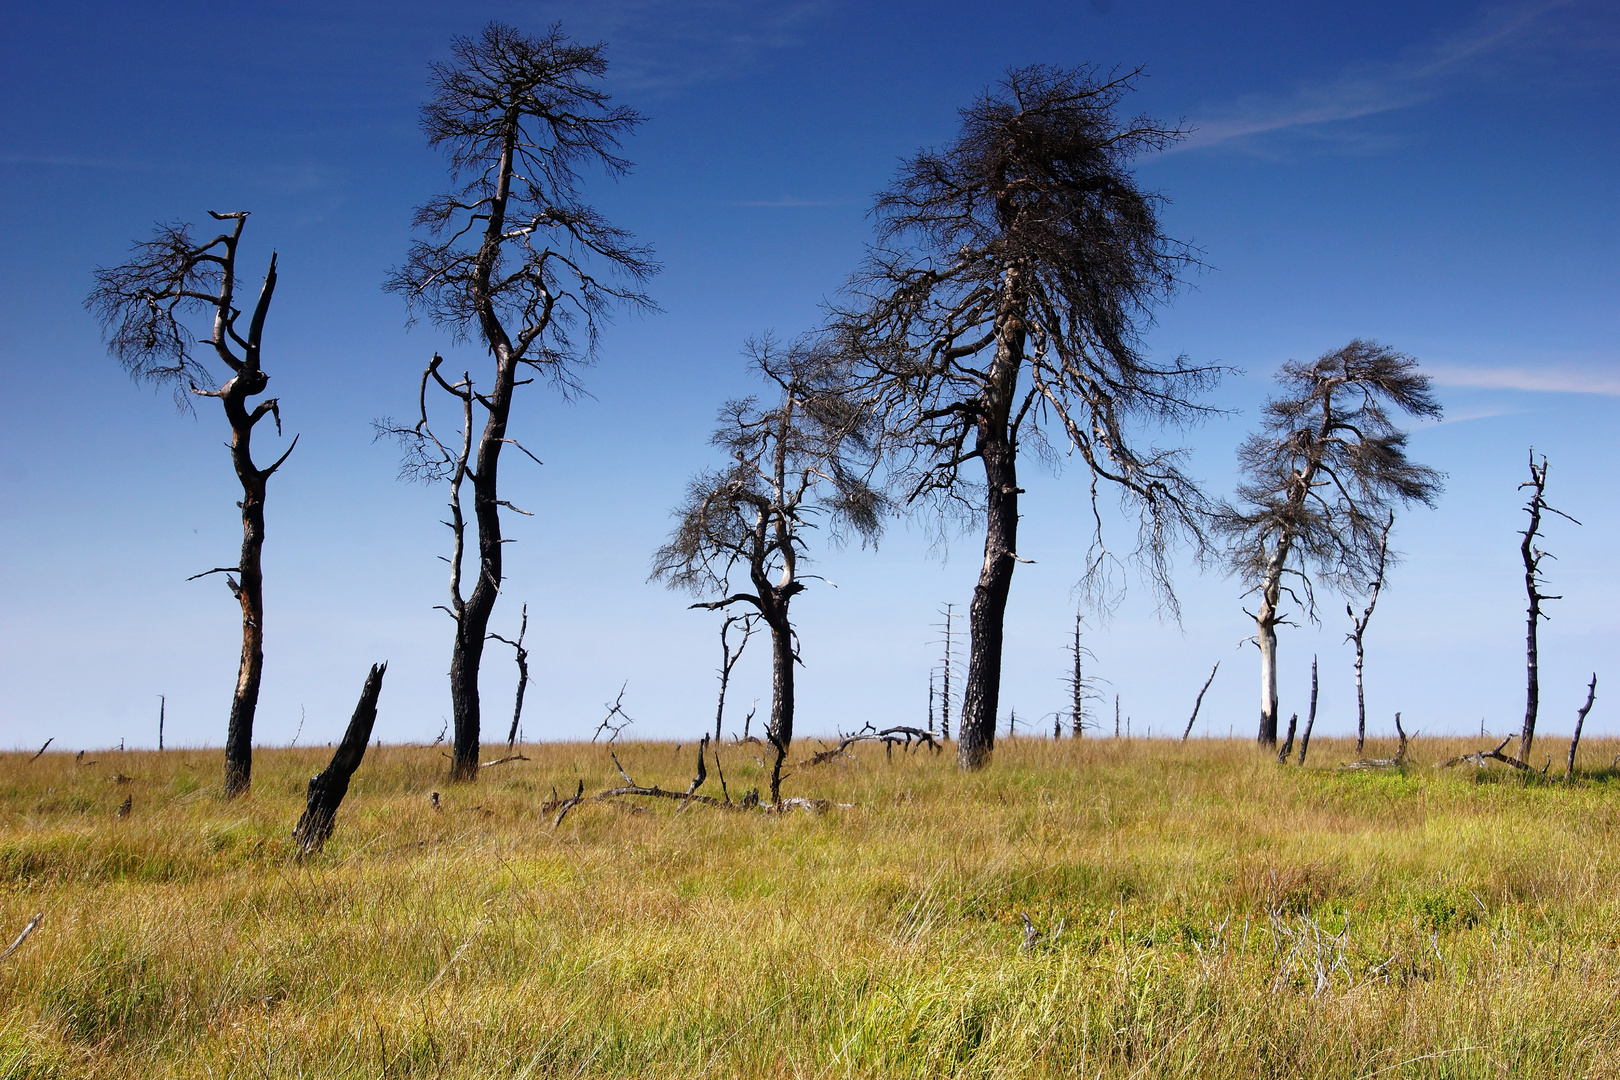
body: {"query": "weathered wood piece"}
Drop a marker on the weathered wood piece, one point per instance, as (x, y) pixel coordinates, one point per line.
(1385, 763)
(33, 924)
(327, 787)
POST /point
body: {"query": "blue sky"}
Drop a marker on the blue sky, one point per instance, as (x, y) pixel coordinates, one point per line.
(1439, 177)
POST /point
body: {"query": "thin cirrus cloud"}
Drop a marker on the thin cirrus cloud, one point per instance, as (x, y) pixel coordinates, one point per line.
(1372, 89)
(1547, 379)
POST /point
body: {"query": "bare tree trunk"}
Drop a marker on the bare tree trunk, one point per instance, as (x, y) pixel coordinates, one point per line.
(1310, 721)
(1580, 722)
(986, 617)
(327, 788)
(779, 732)
(1199, 703)
(472, 626)
(1266, 637)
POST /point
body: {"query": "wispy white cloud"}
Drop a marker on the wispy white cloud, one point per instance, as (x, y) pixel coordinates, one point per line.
(789, 201)
(1371, 89)
(1548, 379)
(657, 46)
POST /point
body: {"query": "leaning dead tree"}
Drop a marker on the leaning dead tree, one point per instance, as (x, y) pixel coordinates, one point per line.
(515, 260)
(1319, 481)
(1015, 269)
(145, 306)
(1580, 722)
(1533, 582)
(789, 468)
(1199, 703)
(1358, 632)
(328, 787)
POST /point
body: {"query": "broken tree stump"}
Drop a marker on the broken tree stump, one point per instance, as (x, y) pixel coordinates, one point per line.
(327, 787)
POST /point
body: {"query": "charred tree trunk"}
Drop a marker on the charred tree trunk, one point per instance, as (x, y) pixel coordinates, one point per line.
(1310, 721)
(997, 446)
(1533, 581)
(1580, 722)
(986, 617)
(327, 787)
(249, 592)
(779, 731)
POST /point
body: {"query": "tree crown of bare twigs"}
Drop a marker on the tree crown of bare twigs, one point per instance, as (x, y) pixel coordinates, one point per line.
(1029, 221)
(514, 248)
(143, 306)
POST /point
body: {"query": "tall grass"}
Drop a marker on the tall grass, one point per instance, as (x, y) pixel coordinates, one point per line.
(1199, 911)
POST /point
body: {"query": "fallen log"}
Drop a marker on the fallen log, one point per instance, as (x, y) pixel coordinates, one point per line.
(1482, 758)
(1384, 763)
(327, 787)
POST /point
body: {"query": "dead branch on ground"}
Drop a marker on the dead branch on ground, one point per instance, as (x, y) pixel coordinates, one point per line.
(908, 737)
(44, 748)
(1481, 758)
(1384, 763)
(33, 924)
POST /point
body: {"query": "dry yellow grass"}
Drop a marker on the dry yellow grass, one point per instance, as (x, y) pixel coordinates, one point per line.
(1219, 916)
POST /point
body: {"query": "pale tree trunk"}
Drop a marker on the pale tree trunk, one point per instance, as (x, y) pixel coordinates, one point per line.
(1265, 636)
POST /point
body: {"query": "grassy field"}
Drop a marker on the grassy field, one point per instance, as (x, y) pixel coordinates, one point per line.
(1200, 911)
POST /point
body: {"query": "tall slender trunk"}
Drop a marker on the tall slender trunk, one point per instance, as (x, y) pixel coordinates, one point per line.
(779, 732)
(1361, 699)
(982, 696)
(249, 588)
(1265, 636)
(997, 446)
(472, 621)
(472, 626)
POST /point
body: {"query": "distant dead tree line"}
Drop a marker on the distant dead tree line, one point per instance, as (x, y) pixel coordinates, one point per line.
(998, 313)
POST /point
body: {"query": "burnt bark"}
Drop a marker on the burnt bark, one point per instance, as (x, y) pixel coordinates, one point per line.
(1533, 581)
(140, 304)
(976, 733)
(508, 257)
(328, 787)
(779, 731)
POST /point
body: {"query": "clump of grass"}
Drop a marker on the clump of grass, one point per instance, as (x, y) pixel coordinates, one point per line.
(1199, 911)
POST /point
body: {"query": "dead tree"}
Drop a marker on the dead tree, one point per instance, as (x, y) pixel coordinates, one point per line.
(144, 306)
(788, 468)
(1014, 271)
(513, 258)
(947, 667)
(1199, 703)
(1319, 479)
(728, 660)
(1079, 690)
(327, 787)
(1310, 721)
(1580, 722)
(1359, 631)
(523, 675)
(1533, 581)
